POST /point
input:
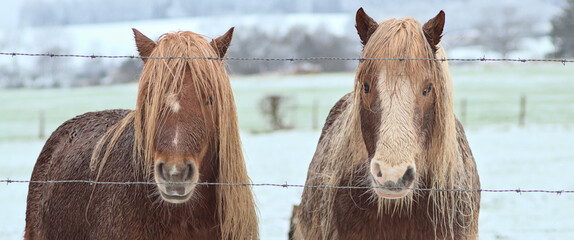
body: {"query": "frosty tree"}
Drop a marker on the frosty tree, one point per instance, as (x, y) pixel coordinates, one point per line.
(504, 27)
(562, 32)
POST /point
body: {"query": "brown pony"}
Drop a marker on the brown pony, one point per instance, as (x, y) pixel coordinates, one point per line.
(184, 129)
(394, 134)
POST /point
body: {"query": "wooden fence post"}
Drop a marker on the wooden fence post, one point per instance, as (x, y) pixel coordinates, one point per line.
(522, 112)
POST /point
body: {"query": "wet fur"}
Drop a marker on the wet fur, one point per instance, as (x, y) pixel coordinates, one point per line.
(58, 211)
(117, 145)
(357, 211)
(341, 157)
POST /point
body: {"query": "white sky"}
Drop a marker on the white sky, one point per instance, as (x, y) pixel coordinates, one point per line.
(9, 12)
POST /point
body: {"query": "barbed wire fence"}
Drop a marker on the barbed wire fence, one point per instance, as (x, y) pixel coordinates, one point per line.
(286, 185)
(483, 59)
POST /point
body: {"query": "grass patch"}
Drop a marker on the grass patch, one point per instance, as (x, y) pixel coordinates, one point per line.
(492, 93)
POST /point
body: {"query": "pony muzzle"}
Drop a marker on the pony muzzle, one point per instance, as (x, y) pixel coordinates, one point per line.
(176, 181)
(392, 182)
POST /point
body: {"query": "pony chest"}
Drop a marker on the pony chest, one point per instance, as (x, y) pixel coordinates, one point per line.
(360, 219)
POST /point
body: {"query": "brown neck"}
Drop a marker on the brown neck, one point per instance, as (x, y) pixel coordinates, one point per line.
(415, 222)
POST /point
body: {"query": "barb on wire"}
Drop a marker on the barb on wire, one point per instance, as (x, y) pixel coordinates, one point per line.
(483, 59)
(285, 185)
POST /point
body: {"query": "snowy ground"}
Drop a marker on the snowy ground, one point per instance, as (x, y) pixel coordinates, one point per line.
(538, 157)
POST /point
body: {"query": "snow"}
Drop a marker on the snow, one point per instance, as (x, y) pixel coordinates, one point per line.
(508, 157)
(536, 157)
(532, 48)
(281, 157)
(17, 162)
(117, 38)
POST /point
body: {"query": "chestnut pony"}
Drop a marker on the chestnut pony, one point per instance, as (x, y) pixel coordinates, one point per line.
(395, 135)
(184, 129)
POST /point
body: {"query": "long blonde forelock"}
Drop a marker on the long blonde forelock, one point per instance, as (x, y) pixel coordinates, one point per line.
(447, 164)
(397, 39)
(162, 77)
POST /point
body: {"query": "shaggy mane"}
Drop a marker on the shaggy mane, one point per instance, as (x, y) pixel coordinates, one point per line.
(162, 78)
(400, 38)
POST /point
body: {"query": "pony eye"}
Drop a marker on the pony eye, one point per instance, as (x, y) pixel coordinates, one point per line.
(209, 101)
(427, 90)
(366, 88)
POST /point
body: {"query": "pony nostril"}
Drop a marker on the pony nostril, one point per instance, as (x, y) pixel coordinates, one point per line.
(190, 171)
(408, 177)
(376, 170)
(161, 171)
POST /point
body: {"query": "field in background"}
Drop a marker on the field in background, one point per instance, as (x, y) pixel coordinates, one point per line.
(492, 94)
(537, 156)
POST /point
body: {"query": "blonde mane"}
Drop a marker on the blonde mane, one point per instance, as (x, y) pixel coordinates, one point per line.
(401, 38)
(162, 78)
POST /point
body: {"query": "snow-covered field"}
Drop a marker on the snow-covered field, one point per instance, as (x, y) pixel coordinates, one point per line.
(537, 156)
(508, 158)
(492, 94)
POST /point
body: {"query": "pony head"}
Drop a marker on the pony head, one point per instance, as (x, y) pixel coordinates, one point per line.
(176, 118)
(398, 100)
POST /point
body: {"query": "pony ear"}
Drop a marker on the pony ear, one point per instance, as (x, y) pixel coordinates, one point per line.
(221, 44)
(433, 30)
(365, 26)
(144, 44)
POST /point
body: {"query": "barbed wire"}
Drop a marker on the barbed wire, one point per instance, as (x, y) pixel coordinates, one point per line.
(286, 185)
(483, 59)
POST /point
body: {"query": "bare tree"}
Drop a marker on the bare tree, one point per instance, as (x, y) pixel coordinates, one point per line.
(273, 107)
(52, 71)
(562, 32)
(503, 28)
(10, 74)
(298, 42)
(129, 71)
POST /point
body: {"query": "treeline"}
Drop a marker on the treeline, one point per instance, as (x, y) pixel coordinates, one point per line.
(251, 42)
(298, 42)
(44, 13)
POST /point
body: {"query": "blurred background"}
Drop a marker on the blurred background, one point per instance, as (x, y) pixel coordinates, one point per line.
(519, 117)
(268, 29)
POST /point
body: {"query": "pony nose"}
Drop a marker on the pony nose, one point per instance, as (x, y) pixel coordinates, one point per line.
(393, 179)
(176, 172)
